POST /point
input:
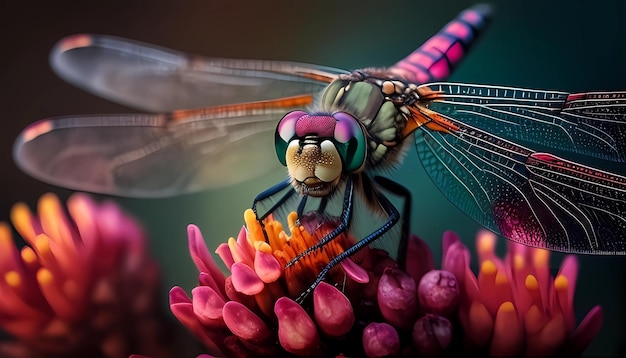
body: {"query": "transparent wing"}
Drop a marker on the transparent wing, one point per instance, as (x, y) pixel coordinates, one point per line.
(529, 196)
(155, 155)
(157, 79)
(589, 124)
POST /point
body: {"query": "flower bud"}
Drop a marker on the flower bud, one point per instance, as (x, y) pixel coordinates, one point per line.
(432, 335)
(380, 340)
(297, 333)
(332, 310)
(397, 298)
(438, 293)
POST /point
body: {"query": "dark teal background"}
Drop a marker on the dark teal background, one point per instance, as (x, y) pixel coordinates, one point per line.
(564, 45)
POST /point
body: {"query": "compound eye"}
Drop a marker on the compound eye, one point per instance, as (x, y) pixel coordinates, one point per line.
(286, 128)
(349, 133)
(285, 132)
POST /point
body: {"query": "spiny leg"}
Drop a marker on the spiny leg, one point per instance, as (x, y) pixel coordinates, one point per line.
(394, 216)
(267, 194)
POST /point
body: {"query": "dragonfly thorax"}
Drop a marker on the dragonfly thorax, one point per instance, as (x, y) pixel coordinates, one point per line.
(380, 107)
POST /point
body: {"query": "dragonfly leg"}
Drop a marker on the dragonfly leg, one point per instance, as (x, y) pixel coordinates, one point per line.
(346, 215)
(270, 192)
(401, 191)
(393, 218)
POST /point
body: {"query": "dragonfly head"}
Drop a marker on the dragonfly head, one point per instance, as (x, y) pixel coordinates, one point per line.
(319, 149)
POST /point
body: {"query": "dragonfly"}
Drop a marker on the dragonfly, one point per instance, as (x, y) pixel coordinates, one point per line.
(540, 167)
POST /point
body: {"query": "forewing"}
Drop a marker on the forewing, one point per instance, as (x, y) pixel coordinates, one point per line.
(144, 155)
(587, 124)
(157, 79)
(528, 196)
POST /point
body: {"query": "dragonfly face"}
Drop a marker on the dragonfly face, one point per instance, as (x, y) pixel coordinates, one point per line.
(320, 149)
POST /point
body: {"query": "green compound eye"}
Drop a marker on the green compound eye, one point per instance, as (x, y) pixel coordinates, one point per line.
(285, 132)
(350, 141)
(341, 128)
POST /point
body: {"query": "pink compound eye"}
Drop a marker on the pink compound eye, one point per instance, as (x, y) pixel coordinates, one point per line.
(285, 132)
(346, 127)
(349, 133)
(286, 128)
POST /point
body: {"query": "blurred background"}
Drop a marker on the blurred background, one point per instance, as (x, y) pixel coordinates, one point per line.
(560, 44)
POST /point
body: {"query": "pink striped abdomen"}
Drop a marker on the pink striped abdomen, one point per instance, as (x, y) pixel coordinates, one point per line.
(435, 59)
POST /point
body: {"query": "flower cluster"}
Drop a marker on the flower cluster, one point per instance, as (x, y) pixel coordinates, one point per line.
(83, 285)
(249, 311)
(369, 306)
(514, 307)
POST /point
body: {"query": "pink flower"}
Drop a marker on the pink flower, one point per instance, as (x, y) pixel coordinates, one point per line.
(514, 306)
(367, 306)
(83, 285)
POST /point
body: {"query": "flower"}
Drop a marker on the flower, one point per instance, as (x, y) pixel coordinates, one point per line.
(367, 306)
(83, 285)
(253, 312)
(514, 306)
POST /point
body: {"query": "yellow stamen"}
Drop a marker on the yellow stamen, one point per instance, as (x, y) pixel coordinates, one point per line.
(561, 283)
(253, 226)
(6, 239)
(541, 257)
(51, 214)
(42, 244)
(518, 262)
(44, 276)
(239, 255)
(501, 279)
(507, 307)
(12, 278)
(28, 255)
(263, 247)
(21, 218)
(488, 267)
(291, 220)
(531, 282)
(486, 242)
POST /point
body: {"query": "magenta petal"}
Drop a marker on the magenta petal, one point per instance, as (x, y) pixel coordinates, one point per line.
(569, 269)
(244, 323)
(178, 295)
(204, 279)
(183, 311)
(245, 280)
(267, 266)
(456, 260)
(223, 251)
(586, 331)
(202, 258)
(397, 298)
(242, 242)
(448, 238)
(296, 331)
(419, 258)
(235, 295)
(207, 305)
(332, 310)
(380, 340)
(354, 271)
